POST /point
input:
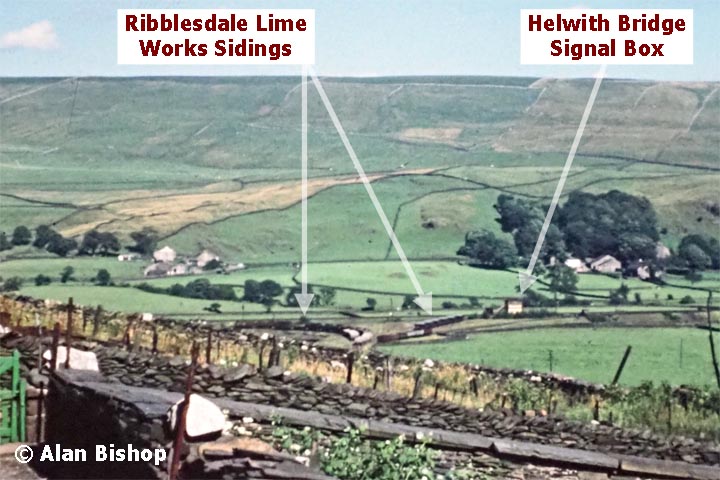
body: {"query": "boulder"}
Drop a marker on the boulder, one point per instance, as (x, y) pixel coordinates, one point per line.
(79, 359)
(204, 418)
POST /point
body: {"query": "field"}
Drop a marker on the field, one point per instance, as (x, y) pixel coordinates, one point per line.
(214, 163)
(675, 355)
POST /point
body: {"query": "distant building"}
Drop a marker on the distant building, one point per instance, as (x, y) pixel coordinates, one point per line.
(206, 257)
(127, 257)
(158, 269)
(662, 252)
(165, 254)
(513, 306)
(179, 269)
(577, 265)
(606, 264)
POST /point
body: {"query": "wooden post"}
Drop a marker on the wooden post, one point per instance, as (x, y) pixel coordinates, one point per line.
(418, 384)
(54, 347)
(376, 381)
(208, 347)
(713, 354)
(437, 389)
(622, 364)
(154, 340)
(350, 363)
(474, 386)
(96, 320)
(181, 414)
(388, 373)
(68, 331)
(84, 319)
(596, 411)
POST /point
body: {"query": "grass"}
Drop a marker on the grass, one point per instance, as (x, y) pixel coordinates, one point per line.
(590, 354)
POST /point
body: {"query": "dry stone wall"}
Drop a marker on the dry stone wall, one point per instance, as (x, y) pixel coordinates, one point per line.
(276, 387)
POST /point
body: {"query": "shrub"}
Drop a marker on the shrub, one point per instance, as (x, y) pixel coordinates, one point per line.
(687, 299)
(41, 280)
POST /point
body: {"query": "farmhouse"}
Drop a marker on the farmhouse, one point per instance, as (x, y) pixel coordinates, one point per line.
(206, 257)
(605, 264)
(165, 254)
(127, 257)
(577, 265)
(159, 269)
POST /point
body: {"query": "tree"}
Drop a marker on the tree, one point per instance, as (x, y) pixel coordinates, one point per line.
(488, 250)
(371, 304)
(613, 223)
(213, 264)
(695, 257)
(262, 292)
(709, 245)
(21, 235)
(60, 245)
(103, 277)
(291, 300)
(145, 241)
(326, 296)
(67, 274)
(4, 243)
(43, 235)
(41, 280)
(562, 279)
(98, 242)
(524, 221)
(214, 307)
(409, 303)
(12, 284)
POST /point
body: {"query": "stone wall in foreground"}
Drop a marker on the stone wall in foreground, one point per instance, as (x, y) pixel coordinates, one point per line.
(276, 387)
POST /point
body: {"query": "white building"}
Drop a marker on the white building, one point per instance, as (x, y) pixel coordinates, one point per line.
(165, 254)
(577, 265)
(206, 257)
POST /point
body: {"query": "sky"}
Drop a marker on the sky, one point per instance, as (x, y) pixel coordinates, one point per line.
(70, 38)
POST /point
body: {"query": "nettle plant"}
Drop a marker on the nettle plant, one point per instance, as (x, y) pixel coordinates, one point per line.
(353, 457)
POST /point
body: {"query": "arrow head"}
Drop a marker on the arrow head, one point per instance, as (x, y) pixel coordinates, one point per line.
(304, 300)
(526, 280)
(424, 301)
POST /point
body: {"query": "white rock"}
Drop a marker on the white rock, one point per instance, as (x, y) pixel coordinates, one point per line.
(79, 359)
(364, 338)
(203, 417)
(353, 334)
(428, 363)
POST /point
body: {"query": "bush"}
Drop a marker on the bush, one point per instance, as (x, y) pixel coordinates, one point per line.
(12, 284)
(41, 280)
(449, 305)
(687, 299)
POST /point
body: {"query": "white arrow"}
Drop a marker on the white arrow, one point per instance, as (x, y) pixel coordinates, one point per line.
(304, 298)
(423, 299)
(526, 278)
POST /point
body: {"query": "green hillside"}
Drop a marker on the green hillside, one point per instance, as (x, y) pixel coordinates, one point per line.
(214, 162)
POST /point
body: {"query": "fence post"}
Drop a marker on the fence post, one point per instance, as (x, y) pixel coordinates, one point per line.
(713, 354)
(350, 363)
(154, 340)
(96, 321)
(68, 331)
(418, 384)
(622, 364)
(181, 413)
(208, 347)
(54, 347)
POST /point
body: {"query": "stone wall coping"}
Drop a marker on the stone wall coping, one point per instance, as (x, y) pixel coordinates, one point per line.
(154, 403)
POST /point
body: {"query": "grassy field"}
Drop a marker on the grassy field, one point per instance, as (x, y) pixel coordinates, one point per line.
(385, 281)
(675, 355)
